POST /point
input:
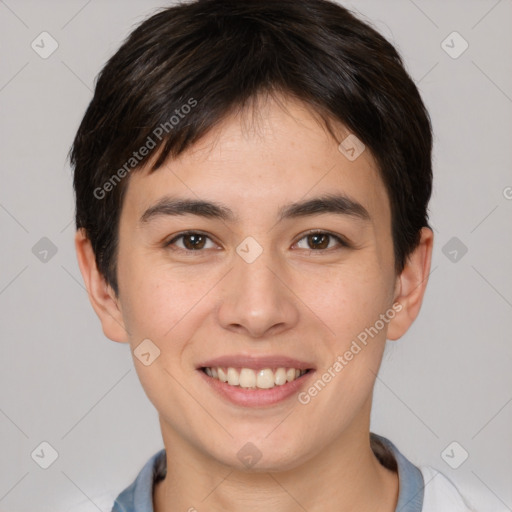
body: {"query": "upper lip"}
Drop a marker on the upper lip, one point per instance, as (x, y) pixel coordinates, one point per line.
(256, 362)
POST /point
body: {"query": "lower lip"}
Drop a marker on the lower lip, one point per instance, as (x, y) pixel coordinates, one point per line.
(257, 397)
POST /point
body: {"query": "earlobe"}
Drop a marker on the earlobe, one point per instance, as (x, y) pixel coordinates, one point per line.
(101, 295)
(411, 285)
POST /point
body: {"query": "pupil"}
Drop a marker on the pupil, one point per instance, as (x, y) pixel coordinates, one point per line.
(316, 237)
(193, 241)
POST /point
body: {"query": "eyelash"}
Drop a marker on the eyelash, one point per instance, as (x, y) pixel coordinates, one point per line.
(341, 241)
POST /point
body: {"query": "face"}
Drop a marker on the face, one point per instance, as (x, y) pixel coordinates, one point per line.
(270, 275)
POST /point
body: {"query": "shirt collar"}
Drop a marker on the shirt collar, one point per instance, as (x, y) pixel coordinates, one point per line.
(410, 478)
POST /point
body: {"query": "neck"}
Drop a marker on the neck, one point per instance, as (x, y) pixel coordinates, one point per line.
(337, 479)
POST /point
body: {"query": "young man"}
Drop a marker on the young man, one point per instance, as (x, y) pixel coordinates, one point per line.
(252, 180)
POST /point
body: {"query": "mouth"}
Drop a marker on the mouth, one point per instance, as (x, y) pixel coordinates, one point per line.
(255, 381)
(248, 378)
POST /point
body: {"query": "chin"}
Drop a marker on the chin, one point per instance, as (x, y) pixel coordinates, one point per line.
(258, 455)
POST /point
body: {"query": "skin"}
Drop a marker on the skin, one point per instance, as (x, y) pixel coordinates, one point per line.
(294, 299)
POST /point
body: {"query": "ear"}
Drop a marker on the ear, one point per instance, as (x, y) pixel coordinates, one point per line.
(411, 285)
(101, 295)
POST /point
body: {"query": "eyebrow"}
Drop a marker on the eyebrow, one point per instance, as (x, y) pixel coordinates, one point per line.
(330, 203)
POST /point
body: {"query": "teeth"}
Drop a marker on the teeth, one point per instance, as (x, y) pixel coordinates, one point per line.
(233, 377)
(248, 378)
(222, 375)
(265, 379)
(280, 377)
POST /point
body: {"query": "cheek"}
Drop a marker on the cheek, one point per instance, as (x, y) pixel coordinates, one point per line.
(161, 309)
(152, 301)
(352, 350)
(167, 306)
(348, 301)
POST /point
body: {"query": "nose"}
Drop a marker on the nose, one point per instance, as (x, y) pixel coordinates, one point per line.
(257, 298)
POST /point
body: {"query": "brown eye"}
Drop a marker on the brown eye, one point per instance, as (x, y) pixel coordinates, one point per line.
(191, 241)
(320, 240)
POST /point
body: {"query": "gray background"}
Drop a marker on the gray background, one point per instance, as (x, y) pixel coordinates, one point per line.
(63, 382)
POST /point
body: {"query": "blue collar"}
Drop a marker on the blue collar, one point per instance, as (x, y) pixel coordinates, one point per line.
(138, 497)
(411, 484)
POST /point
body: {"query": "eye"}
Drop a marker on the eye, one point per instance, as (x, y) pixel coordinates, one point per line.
(320, 240)
(191, 241)
(195, 241)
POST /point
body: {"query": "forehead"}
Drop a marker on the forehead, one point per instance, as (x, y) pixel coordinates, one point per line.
(261, 158)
